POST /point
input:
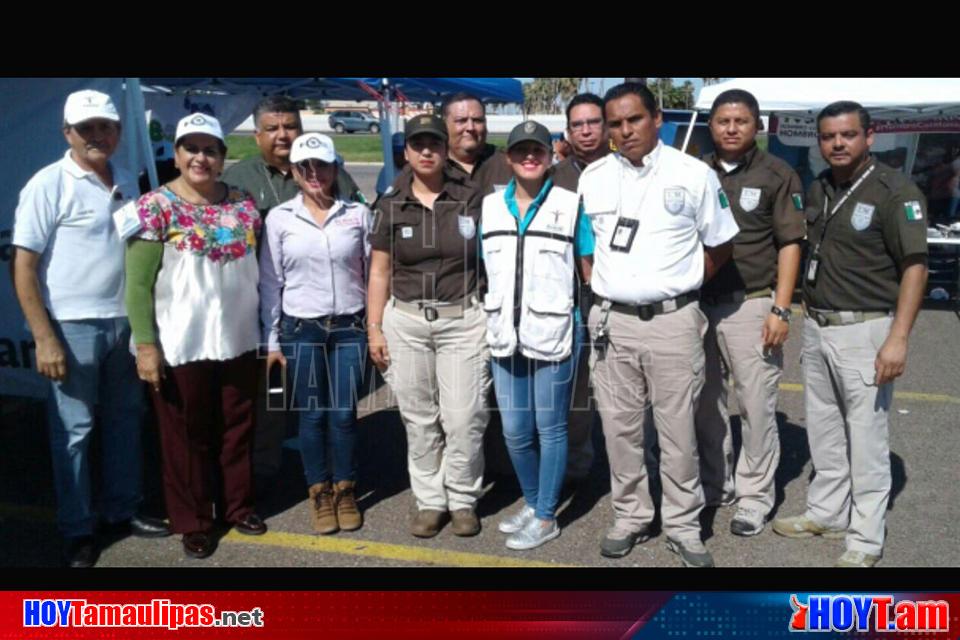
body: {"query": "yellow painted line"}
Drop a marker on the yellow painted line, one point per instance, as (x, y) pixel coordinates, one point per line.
(900, 395)
(384, 551)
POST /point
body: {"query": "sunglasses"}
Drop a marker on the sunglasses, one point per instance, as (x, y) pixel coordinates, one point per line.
(312, 164)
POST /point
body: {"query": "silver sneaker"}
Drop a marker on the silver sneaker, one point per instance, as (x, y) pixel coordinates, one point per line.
(517, 521)
(747, 522)
(535, 533)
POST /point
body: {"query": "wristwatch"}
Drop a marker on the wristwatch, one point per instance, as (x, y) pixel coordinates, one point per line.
(781, 312)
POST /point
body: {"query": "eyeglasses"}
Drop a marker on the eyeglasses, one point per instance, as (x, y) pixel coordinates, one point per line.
(312, 165)
(592, 123)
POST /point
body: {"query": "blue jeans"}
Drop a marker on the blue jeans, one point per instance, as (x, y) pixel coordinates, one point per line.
(534, 401)
(327, 365)
(101, 375)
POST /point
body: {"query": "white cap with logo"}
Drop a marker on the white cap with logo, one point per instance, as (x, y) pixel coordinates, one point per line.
(87, 105)
(313, 145)
(199, 123)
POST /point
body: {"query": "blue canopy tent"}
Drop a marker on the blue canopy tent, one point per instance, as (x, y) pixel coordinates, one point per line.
(384, 90)
(34, 112)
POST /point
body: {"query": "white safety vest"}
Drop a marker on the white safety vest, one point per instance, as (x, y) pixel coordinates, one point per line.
(544, 255)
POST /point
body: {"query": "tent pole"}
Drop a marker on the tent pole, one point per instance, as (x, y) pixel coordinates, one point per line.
(693, 122)
(386, 132)
(141, 130)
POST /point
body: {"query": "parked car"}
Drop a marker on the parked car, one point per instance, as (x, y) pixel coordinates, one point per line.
(351, 121)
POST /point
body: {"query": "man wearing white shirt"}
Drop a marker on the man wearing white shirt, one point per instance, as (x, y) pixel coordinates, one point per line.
(68, 275)
(663, 225)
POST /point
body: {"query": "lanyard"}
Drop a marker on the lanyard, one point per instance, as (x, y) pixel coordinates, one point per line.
(839, 204)
(649, 179)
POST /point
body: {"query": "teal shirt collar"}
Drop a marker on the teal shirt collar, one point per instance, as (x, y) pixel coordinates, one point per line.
(510, 197)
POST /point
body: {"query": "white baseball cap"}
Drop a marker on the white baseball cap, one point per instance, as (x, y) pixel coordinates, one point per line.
(199, 123)
(313, 145)
(87, 105)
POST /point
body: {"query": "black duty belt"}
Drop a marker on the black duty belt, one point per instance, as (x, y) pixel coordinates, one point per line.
(648, 311)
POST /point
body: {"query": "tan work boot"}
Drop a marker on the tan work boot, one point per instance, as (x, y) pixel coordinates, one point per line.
(323, 512)
(428, 523)
(348, 514)
(465, 522)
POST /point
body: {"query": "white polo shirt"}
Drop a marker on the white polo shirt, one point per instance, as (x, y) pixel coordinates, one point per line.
(676, 204)
(64, 214)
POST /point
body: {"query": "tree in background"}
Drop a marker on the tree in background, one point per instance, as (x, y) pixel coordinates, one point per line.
(549, 95)
(671, 97)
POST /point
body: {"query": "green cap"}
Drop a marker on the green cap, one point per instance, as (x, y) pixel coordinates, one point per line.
(529, 130)
(432, 124)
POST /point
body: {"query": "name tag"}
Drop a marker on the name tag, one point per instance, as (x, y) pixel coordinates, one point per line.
(623, 234)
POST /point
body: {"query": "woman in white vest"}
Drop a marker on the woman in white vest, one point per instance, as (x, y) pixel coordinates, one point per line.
(532, 234)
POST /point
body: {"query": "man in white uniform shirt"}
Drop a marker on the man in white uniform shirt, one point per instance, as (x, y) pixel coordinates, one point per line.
(663, 225)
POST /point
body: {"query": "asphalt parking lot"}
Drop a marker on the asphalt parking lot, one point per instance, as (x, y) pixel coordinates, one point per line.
(925, 504)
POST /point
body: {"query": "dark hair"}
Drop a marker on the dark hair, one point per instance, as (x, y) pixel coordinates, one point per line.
(335, 190)
(737, 96)
(220, 145)
(584, 98)
(842, 107)
(275, 104)
(637, 89)
(459, 96)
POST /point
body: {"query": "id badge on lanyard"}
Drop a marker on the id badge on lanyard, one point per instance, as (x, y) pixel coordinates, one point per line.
(814, 265)
(624, 234)
(626, 230)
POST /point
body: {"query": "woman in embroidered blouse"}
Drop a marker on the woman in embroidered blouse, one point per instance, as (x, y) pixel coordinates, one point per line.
(192, 300)
(312, 298)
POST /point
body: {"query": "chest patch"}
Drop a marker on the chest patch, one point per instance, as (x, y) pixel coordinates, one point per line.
(466, 226)
(862, 216)
(673, 200)
(749, 198)
(406, 232)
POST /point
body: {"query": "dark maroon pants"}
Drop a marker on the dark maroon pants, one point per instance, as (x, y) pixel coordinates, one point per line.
(206, 409)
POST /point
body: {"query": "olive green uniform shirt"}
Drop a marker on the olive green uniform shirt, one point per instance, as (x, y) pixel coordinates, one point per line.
(766, 199)
(860, 249)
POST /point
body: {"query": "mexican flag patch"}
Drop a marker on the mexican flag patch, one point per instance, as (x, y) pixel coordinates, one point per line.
(797, 201)
(913, 211)
(723, 199)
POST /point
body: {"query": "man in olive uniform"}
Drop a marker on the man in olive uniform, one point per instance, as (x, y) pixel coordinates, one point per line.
(862, 290)
(470, 157)
(748, 324)
(267, 177)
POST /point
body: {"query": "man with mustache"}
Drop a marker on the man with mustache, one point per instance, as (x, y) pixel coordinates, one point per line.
(862, 289)
(662, 227)
(68, 275)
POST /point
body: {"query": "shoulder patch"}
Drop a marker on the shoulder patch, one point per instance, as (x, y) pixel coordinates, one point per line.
(912, 210)
(797, 201)
(723, 199)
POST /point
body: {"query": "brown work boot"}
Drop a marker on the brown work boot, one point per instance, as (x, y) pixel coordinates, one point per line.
(348, 515)
(322, 509)
(428, 523)
(465, 522)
